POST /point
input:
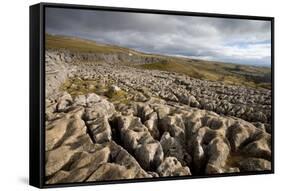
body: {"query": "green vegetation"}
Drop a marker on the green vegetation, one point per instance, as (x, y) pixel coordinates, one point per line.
(228, 73)
(77, 86)
(87, 46)
(119, 96)
(80, 45)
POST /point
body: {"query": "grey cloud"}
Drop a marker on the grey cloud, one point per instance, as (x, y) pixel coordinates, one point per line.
(217, 38)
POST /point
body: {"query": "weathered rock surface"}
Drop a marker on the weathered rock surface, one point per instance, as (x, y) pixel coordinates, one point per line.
(172, 167)
(99, 129)
(254, 164)
(218, 152)
(82, 167)
(137, 139)
(134, 123)
(172, 147)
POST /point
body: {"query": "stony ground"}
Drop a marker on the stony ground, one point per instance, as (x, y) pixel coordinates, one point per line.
(108, 121)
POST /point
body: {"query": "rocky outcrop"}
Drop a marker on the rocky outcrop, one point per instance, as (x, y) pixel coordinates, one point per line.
(122, 123)
(254, 164)
(172, 147)
(172, 167)
(137, 139)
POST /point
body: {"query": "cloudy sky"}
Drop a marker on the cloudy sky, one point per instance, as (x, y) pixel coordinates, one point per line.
(229, 40)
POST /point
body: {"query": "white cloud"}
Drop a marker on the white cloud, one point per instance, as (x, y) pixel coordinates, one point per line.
(253, 51)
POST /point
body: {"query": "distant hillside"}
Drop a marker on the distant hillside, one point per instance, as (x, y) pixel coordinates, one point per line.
(86, 46)
(251, 76)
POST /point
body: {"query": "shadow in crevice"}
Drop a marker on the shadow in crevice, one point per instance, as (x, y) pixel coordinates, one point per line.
(115, 131)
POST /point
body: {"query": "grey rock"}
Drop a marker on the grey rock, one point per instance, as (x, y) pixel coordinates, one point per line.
(254, 164)
(152, 125)
(65, 129)
(172, 147)
(218, 152)
(172, 167)
(137, 139)
(111, 171)
(83, 167)
(64, 102)
(100, 129)
(260, 148)
(149, 155)
(240, 132)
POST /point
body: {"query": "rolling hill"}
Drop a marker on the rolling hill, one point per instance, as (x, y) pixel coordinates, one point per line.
(228, 73)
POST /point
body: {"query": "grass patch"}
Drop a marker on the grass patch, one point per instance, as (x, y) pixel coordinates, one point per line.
(231, 74)
(119, 96)
(77, 86)
(80, 45)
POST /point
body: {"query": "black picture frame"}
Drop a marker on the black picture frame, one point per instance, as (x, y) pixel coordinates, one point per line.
(37, 92)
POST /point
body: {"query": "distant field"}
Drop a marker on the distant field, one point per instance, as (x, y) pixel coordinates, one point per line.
(255, 77)
(250, 76)
(85, 46)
